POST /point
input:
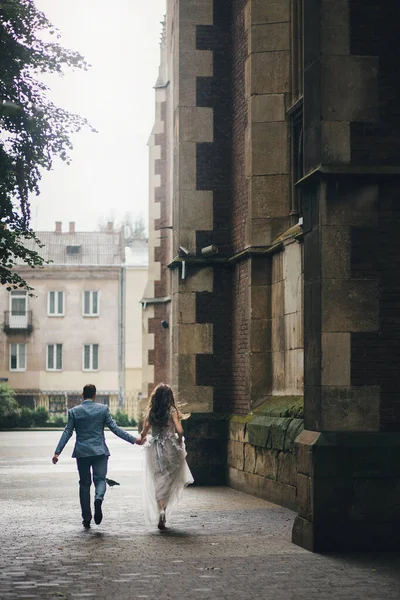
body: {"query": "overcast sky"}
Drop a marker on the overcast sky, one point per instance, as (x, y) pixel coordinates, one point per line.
(109, 170)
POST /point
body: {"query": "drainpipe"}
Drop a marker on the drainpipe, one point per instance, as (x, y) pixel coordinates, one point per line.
(121, 338)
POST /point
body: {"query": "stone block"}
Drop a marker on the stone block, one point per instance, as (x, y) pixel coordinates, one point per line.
(263, 232)
(278, 372)
(186, 370)
(198, 62)
(266, 108)
(278, 334)
(287, 468)
(196, 209)
(269, 37)
(350, 204)
(238, 430)
(350, 408)
(269, 195)
(303, 534)
(277, 268)
(236, 455)
(278, 298)
(275, 491)
(266, 463)
(196, 338)
(293, 331)
(268, 149)
(267, 73)
(259, 431)
(336, 146)
(260, 298)
(184, 308)
(350, 305)
(196, 124)
(294, 371)
(279, 427)
(296, 426)
(336, 359)
(350, 88)
(273, 11)
(249, 458)
(336, 248)
(186, 171)
(293, 275)
(305, 501)
(260, 271)
(335, 27)
(289, 497)
(200, 280)
(199, 398)
(193, 12)
(260, 335)
(259, 373)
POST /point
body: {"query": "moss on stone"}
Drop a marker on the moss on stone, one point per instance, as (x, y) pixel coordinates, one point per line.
(282, 406)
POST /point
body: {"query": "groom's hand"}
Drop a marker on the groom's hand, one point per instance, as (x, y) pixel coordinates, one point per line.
(55, 459)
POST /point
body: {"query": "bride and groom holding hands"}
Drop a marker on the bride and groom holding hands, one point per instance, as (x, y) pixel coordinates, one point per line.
(165, 470)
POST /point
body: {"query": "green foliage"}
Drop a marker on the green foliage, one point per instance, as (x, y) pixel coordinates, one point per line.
(9, 410)
(41, 416)
(26, 417)
(59, 422)
(123, 420)
(33, 130)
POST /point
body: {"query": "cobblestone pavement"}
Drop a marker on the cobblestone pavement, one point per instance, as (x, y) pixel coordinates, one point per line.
(222, 544)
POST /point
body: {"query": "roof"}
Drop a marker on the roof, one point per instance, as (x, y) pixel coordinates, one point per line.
(92, 248)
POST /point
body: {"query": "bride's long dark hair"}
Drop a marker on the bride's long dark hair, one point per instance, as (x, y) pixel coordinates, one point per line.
(159, 405)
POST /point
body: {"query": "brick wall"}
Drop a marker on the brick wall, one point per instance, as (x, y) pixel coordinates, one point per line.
(240, 274)
(239, 124)
(240, 337)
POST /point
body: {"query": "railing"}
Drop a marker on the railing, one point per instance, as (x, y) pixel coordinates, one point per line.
(18, 321)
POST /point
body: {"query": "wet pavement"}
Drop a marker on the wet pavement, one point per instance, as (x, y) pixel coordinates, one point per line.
(221, 544)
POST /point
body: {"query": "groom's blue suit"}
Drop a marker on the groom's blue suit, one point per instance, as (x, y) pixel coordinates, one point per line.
(89, 420)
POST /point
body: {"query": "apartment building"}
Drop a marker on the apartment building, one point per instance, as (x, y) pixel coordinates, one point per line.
(70, 332)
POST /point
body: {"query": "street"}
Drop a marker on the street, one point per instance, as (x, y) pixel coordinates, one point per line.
(222, 544)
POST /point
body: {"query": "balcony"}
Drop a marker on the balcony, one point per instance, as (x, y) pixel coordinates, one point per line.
(18, 322)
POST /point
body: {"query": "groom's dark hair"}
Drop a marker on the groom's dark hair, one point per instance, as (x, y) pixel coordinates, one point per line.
(89, 391)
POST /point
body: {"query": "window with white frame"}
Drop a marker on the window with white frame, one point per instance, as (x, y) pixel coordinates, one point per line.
(91, 357)
(56, 304)
(54, 357)
(91, 304)
(17, 357)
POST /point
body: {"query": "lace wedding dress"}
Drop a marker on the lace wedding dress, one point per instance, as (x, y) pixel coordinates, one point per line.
(166, 472)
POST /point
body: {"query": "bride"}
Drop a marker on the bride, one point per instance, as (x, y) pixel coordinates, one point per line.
(166, 472)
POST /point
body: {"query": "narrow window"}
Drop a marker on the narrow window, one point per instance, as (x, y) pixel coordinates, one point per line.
(91, 304)
(56, 304)
(91, 357)
(54, 357)
(17, 357)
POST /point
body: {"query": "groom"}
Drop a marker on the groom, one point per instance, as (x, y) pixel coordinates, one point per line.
(91, 452)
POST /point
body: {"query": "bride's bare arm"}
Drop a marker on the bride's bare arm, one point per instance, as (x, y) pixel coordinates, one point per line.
(145, 430)
(178, 426)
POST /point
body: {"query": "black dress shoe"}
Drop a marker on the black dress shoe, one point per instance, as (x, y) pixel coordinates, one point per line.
(86, 524)
(98, 514)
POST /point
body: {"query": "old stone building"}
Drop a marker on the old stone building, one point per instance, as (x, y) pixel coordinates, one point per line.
(274, 255)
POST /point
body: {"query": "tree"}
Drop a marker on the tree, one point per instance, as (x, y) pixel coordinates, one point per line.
(33, 131)
(9, 409)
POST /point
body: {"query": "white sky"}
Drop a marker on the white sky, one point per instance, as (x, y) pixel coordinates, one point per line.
(109, 171)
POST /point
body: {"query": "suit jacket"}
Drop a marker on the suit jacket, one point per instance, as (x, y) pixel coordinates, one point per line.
(89, 419)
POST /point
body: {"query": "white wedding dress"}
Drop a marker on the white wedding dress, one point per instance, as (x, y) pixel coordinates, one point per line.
(165, 472)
